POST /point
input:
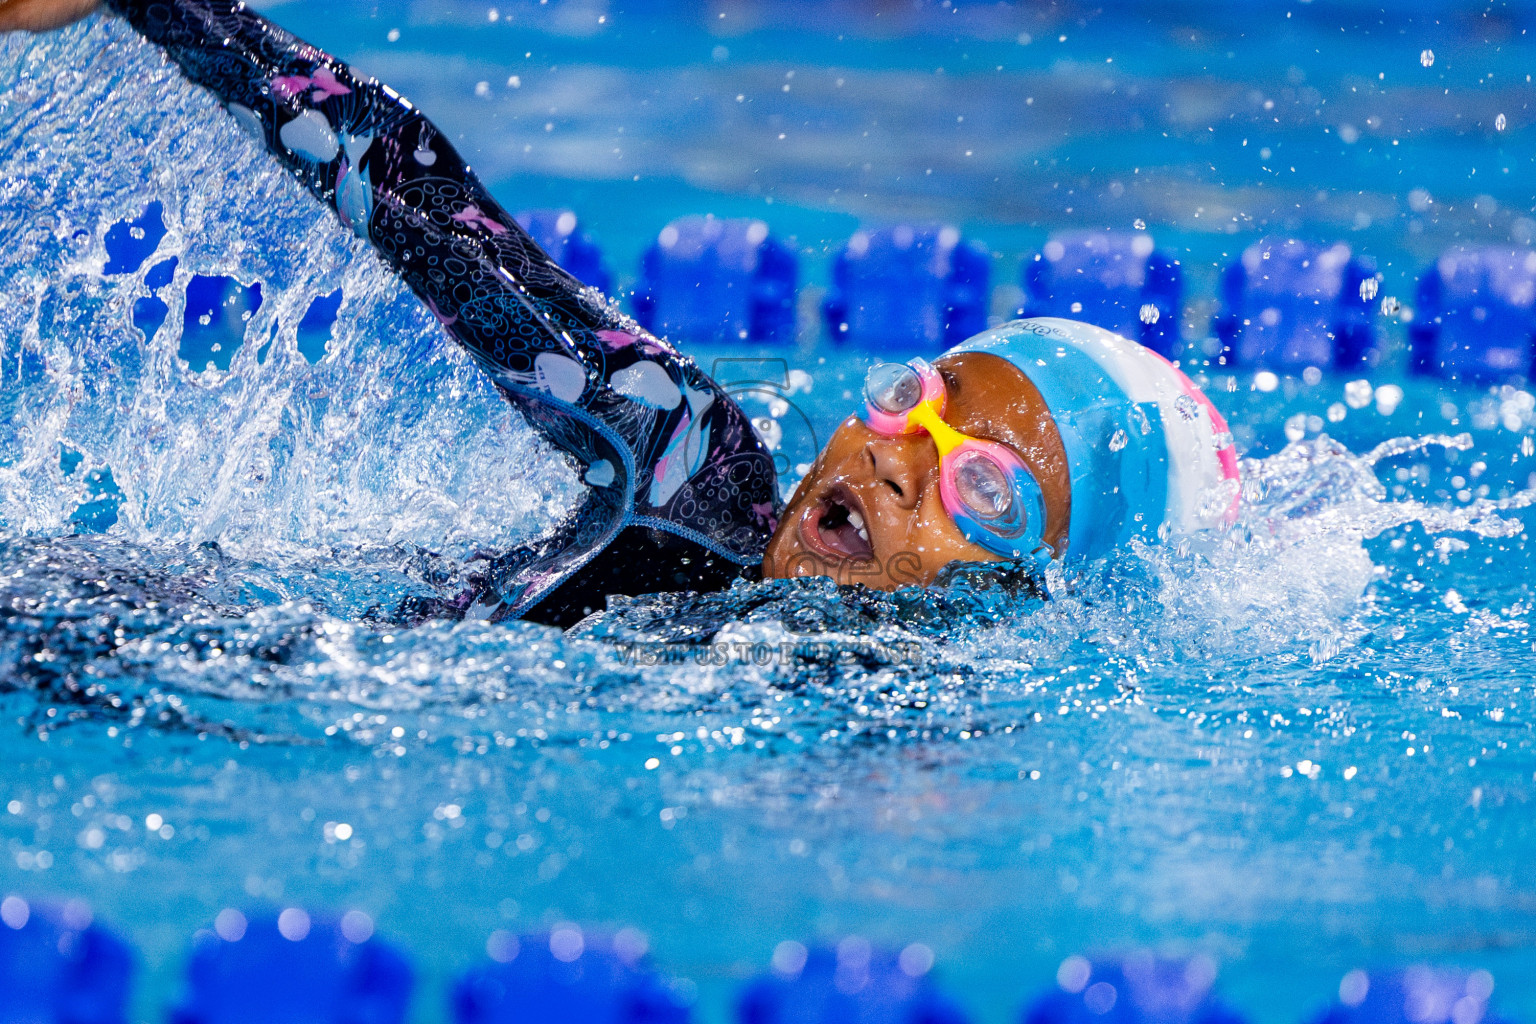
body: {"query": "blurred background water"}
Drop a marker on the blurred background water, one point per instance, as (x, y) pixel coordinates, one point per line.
(1299, 747)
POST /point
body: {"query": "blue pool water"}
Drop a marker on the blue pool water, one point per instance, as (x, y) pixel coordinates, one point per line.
(1299, 747)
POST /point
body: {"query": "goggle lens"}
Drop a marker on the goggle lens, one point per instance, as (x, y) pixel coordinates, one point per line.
(982, 485)
(893, 388)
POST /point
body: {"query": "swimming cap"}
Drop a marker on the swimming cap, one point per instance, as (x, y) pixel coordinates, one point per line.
(1144, 446)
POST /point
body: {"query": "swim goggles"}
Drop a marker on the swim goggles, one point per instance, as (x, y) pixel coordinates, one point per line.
(986, 488)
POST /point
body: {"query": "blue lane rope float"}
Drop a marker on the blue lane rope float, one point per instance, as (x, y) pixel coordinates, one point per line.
(913, 289)
(59, 966)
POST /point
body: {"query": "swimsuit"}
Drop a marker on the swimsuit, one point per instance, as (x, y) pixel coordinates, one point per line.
(682, 493)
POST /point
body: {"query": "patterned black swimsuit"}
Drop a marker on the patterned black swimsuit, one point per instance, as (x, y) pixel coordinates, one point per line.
(682, 494)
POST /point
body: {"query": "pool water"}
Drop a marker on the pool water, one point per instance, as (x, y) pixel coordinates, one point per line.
(1298, 747)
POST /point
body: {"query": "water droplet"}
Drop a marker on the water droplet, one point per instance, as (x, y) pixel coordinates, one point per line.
(1388, 397)
(1527, 446)
(1139, 224)
(1368, 289)
(1390, 306)
(1139, 420)
(1500, 123)
(1427, 58)
(1358, 394)
(1150, 313)
(1120, 439)
(1188, 407)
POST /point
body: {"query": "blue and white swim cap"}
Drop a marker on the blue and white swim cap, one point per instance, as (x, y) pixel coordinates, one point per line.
(1144, 446)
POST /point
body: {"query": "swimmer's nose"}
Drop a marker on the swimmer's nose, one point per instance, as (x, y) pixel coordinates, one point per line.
(895, 465)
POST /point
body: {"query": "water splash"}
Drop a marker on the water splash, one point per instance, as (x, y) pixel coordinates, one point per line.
(393, 438)
(313, 644)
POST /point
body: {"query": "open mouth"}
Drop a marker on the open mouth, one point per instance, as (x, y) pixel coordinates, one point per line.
(835, 527)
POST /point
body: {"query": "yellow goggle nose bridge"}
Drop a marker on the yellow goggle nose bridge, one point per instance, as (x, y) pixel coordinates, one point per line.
(945, 437)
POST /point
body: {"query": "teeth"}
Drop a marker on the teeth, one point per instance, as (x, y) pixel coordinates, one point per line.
(857, 521)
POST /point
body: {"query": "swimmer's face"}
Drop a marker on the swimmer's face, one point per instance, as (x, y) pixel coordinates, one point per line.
(890, 485)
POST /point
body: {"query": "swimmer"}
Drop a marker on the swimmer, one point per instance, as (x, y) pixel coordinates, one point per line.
(1029, 442)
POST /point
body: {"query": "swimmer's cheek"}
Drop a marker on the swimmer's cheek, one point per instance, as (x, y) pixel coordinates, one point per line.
(783, 558)
(42, 15)
(905, 569)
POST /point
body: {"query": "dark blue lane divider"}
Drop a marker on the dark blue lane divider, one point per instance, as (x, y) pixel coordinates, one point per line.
(911, 287)
(852, 981)
(1289, 304)
(565, 975)
(706, 280)
(1139, 989)
(273, 968)
(1285, 304)
(1417, 995)
(1117, 280)
(1476, 315)
(58, 966)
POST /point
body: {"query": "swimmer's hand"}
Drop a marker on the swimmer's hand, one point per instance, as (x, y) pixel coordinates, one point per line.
(42, 15)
